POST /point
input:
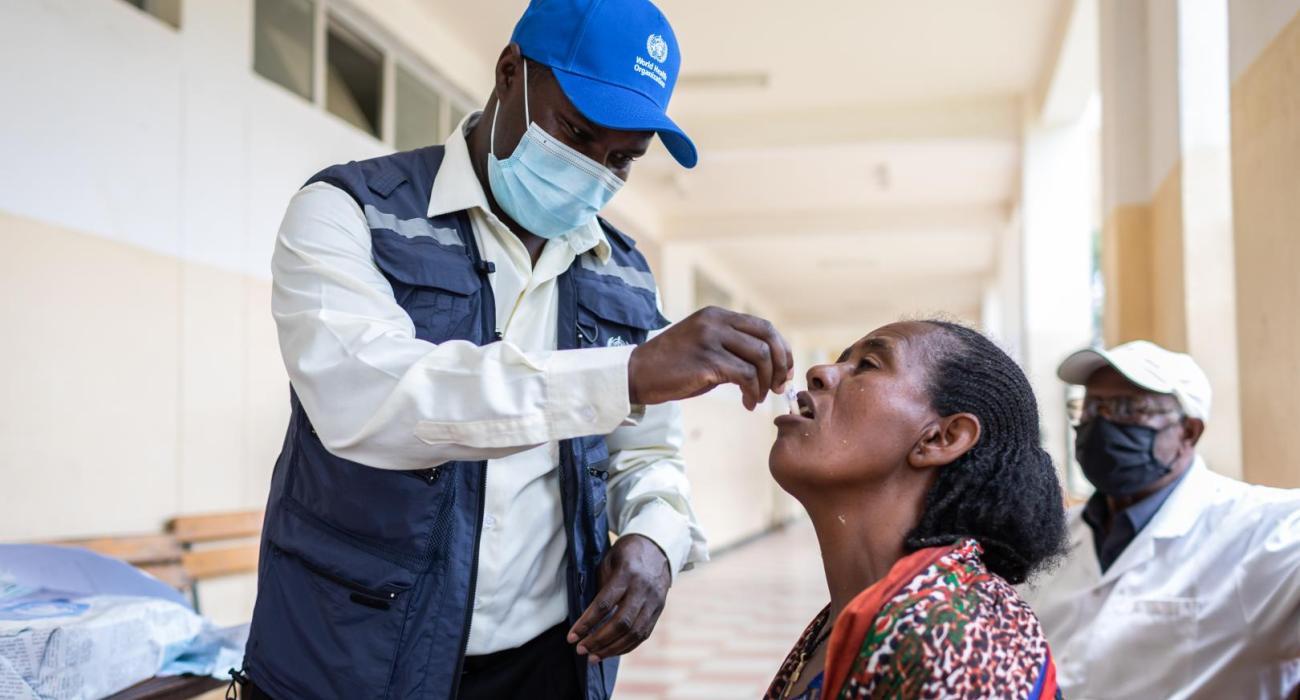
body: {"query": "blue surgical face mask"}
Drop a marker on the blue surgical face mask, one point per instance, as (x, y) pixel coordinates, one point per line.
(546, 186)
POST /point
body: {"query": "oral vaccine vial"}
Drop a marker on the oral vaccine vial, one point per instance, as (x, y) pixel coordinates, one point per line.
(792, 399)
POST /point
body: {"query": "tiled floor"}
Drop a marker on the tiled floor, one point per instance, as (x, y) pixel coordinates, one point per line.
(729, 623)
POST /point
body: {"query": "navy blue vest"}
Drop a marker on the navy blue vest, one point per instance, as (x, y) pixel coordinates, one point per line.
(367, 575)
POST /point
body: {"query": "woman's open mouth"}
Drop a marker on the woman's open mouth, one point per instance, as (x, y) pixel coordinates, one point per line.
(801, 410)
(805, 405)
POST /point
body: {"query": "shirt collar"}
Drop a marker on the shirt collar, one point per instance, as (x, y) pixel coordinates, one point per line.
(1185, 503)
(456, 188)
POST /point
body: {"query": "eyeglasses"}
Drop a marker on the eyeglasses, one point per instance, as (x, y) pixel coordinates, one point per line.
(1132, 410)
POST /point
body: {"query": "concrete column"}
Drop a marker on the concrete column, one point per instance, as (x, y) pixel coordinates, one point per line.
(1209, 278)
(1265, 99)
(1057, 217)
(1126, 211)
(1002, 303)
(1167, 242)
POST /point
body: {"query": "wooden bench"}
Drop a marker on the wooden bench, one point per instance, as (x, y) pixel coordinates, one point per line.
(193, 549)
(216, 545)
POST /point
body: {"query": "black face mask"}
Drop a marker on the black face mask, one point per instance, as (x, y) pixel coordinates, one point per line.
(1118, 459)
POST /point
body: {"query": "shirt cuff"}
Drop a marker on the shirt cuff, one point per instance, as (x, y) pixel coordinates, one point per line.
(587, 391)
(635, 416)
(666, 527)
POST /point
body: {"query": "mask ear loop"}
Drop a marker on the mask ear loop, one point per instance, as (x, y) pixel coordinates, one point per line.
(528, 120)
(492, 137)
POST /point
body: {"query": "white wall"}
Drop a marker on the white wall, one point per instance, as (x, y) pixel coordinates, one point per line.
(143, 174)
(122, 127)
(726, 448)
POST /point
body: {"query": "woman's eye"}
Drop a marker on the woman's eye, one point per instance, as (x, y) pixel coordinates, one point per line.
(865, 364)
(620, 162)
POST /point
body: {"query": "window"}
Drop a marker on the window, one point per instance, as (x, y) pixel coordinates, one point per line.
(284, 39)
(168, 11)
(354, 78)
(419, 111)
(328, 53)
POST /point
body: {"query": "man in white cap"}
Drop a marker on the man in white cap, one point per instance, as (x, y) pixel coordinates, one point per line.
(1179, 582)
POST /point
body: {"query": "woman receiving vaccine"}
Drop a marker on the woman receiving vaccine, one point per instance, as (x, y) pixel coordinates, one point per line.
(917, 456)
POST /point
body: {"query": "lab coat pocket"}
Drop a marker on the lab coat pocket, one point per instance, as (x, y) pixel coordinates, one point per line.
(1172, 610)
(1160, 637)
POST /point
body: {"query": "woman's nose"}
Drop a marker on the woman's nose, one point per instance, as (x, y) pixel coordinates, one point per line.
(823, 377)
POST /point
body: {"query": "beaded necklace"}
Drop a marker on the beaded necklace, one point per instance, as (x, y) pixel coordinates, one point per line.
(809, 648)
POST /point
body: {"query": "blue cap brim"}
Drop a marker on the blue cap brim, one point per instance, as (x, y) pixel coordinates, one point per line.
(616, 107)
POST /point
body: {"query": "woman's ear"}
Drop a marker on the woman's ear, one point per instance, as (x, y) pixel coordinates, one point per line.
(945, 440)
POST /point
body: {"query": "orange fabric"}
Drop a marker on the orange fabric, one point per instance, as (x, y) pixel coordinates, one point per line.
(852, 625)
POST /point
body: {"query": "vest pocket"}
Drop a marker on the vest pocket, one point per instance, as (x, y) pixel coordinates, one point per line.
(427, 476)
(345, 631)
(402, 514)
(610, 319)
(435, 285)
(596, 478)
(381, 593)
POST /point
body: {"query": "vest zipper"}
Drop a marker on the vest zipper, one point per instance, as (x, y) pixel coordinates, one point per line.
(473, 583)
(570, 473)
(487, 323)
(428, 476)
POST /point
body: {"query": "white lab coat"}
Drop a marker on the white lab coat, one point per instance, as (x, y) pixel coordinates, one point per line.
(1204, 603)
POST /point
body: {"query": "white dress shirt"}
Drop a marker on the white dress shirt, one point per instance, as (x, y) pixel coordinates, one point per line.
(379, 396)
(1204, 602)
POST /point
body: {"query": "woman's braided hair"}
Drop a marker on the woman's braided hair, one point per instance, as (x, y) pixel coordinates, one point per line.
(1004, 492)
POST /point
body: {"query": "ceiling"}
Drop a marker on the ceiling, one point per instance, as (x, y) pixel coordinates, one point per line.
(829, 52)
(859, 158)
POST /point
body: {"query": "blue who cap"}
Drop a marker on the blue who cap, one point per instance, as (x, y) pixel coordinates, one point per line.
(616, 60)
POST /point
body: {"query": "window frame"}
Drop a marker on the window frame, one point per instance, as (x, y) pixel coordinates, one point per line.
(145, 9)
(352, 19)
(362, 42)
(314, 86)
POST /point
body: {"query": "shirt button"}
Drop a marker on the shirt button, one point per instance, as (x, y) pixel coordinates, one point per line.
(588, 414)
(478, 603)
(489, 522)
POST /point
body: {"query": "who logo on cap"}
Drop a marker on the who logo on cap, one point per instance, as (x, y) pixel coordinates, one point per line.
(657, 48)
(616, 60)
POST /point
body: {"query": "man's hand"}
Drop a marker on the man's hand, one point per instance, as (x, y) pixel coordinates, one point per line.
(710, 347)
(634, 580)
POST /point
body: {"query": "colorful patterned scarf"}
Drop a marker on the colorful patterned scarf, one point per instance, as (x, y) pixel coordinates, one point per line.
(938, 625)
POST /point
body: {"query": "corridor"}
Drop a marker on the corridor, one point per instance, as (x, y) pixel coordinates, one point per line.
(729, 623)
